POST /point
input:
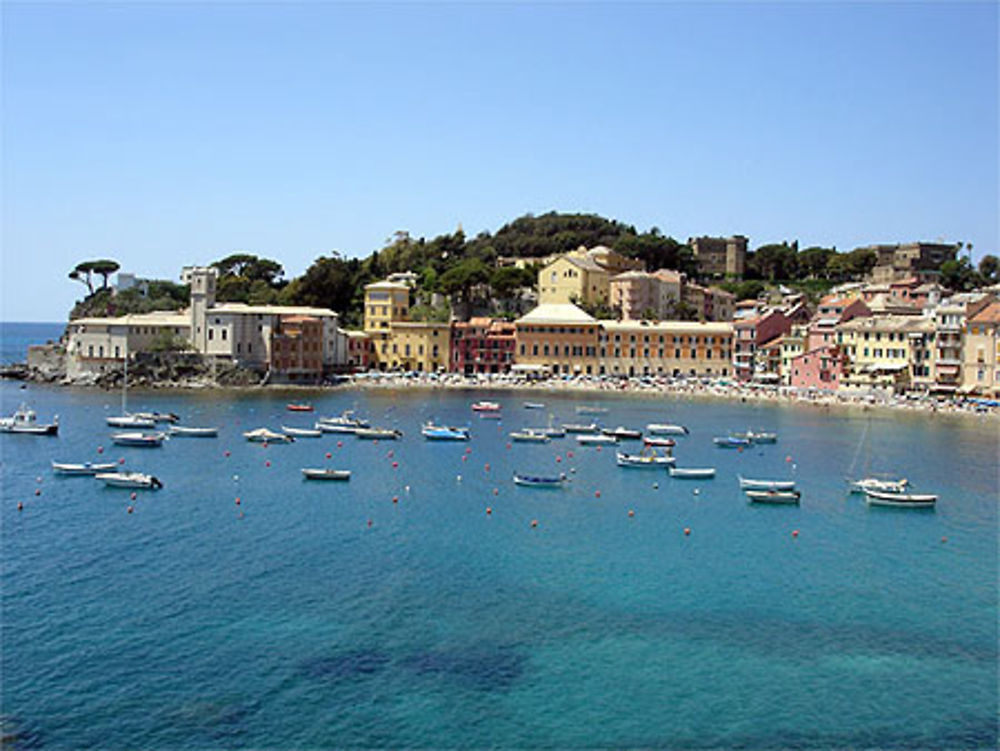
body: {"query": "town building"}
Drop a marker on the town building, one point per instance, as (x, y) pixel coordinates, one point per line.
(749, 334)
(665, 348)
(582, 276)
(917, 259)
(642, 294)
(981, 373)
(709, 303)
(832, 311)
(386, 303)
(97, 344)
(297, 350)
(820, 369)
(417, 347)
(888, 351)
(482, 345)
(359, 350)
(557, 338)
(720, 256)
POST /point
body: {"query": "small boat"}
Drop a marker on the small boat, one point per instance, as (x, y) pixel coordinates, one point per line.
(625, 434)
(444, 433)
(130, 421)
(773, 496)
(179, 431)
(644, 461)
(87, 468)
(575, 427)
(326, 474)
(336, 427)
(384, 434)
(263, 435)
(754, 437)
(728, 442)
(345, 420)
(900, 500)
(159, 416)
(529, 435)
(585, 439)
(659, 442)
(139, 439)
(299, 407)
(590, 410)
(485, 406)
(535, 481)
(746, 484)
(129, 480)
(25, 421)
(551, 432)
(301, 432)
(534, 405)
(879, 485)
(692, 473)
(657, 428)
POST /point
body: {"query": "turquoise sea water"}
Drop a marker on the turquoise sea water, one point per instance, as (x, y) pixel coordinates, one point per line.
(324, 615)
(15, 338)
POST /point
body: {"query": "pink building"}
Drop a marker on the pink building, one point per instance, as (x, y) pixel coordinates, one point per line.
(832, 310)
(748, 336)
(482, 345)
(821, 368)
(637, 294)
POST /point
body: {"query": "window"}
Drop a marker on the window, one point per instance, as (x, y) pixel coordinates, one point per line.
(211, 334)
(224, 332)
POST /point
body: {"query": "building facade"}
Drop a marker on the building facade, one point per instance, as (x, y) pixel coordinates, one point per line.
(482, 345)
(982, 352)
(557, 338)
(582, 276)
(665, 348)
(418, 347)
(720, 256)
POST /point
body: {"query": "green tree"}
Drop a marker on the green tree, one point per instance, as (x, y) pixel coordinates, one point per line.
(813, 261)
(989, 268)
(958, 275)
(776, 262)
(84, 271)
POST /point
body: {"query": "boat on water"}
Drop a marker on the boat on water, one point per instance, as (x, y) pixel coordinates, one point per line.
(444, 433)
(299, 407)
(748, 484)
(880, 485)
(655, 442)
(301, 432)
(692, 473)
(534, 405)
(773, 496)
(595, 439)
(728, 442)
(326, 474)
(551, 432)
(130, 421)
(539, 481)
(86, 468)
(900, 500)
(485, 406)
(529, 435)
(139, 439)
(180, 431)
(25, 421)
(385, 434)
(136, 480)
(346, 422)
(263, 435)
(591, 410)
(159, 416)
(755, 437)
(644, 460)
(625, 434)
(336, 427)
(658, 428)
(575, 427)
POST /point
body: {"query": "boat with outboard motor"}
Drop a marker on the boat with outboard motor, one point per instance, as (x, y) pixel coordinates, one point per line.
(645, 460)
(748, 484)
(529, 435)
(134, 480)
(729, 442)
(444, 433)
(263, 435)
(900, 500)
(86, 468)
(180, 431)
(310, 473)
(692, 473)
(773, 496)
(538, 481)
(376, 434)
(25, 421)
(656, 428)
(139, 439)
(301, 432)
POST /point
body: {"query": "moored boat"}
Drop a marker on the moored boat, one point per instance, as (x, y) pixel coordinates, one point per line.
(139, 439)
(755, 437)
(880, 485)
(692, 473)
(159, 416)
(592, 439)
(181, 431)
(655, 442)
(130, 421)
(299, 407)
(538, 481)
(136, 480)
(529, 436)
(534, 405)
(444, 433)
(301, 432)
(728, 442)
(748, 484)
(346, 422)
(326, 474)
(900, 500)
(263, 435)
(576, 427)
(25, 421)
(86, 468)
(385, 434)
(622, 433)
(773, 496)
(486, 406)
(657, 428)
(644, 460)
(591, 410)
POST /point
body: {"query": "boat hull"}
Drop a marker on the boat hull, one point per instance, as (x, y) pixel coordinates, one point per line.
(692, 473)
(326, 474)
(900, 500)
(780, 497)
(133, 480)
(747, 484)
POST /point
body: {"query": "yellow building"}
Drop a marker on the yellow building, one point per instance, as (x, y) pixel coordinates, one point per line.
(385, 303)
(421, 347)
(893, 351)
(665, 348)
(793, 344)
(556, 338)
(582, 276)
(981, 371)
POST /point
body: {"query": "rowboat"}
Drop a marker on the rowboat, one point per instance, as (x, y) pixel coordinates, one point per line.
(299, 407)
(25, 421)
(773, 496)
(179, 431)
(136, 480)
(444, 433)
(535, 481)
(900, 500)
(659, 442)
(575, 427)
(87, 468)
(326, 474)
(384, 434)
(588, 410)
(879, 485)
(728, 442)
(625, 434)
(529, 436)
(692, 473)
(263, 435)
(592, 440)
(644, 461)
(301, 432)
(746, 484)
(138, 439)
(657, 428)
(130, 421)
(485, 406)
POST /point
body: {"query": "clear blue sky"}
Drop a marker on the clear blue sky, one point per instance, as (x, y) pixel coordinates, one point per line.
(164, 134)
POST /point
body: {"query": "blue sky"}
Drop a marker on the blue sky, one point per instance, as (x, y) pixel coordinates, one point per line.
(165, 134)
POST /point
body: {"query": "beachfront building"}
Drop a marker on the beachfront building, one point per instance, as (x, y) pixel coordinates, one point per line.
(556, 338)
(720, 256)
(888, 351)
(916, 259)
(582, 276)
(665, 348)
(950, 319)
(297, 350)
(820, 369)
(359, 350)
(793, 344)
(416, 347)
(97, 344)
(752, 332)
(832, 311)
(981, 372)
(709, 303)
(482, 345)
(385, 303)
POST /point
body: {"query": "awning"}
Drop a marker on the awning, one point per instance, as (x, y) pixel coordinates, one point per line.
(526, 368)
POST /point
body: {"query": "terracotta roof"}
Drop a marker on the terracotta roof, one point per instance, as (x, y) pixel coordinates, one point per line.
(989, 314)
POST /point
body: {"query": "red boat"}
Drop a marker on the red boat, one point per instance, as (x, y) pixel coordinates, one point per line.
(299, 407)
(484, 406)
(659, 442)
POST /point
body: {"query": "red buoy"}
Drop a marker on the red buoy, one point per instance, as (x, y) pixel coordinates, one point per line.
(795, 533)
(20, 506)
(133, 496)
(687, 530)
(631, 513)
(225, 453)
(558, 459)
(328, 455)
(267, 463)
(130, 509)
(395, 499)
(395, 465)
(37, 491)
(496, 491)
(534, 522)
(238, 501)
(489, 510)
(340, 444)
(597, 494)
(122, 460)
(100, 449)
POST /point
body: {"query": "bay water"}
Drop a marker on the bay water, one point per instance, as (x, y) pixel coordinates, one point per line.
(394, 611)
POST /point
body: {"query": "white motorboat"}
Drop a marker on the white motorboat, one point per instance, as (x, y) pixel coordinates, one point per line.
(900, 500)
(138, 439)
(159, 416)
(345, 423)
(591, 410)
(444, 433)
(263, 435)
(747, 484)
(180, 431)
(136, 480)
(130, 421)
(880, 485)
(301, 432)
(755, 437)
(534, 405)
(575, 427)
(644, 460)
(536, 481)
(622, 433)
(590, 439)
(485, 406)
(25, 421)
(655, 442)
(730, 442)
(773, 496)
(86, 468)
(326, 474)
(336, 427)
(529, 435)
(692, 473)
(657, 428)
(384, 434)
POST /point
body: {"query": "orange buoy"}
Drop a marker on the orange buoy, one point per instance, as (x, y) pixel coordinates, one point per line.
(238, 501)
(489, 510)
(739, 450)
(631, 513)
(687, 530)
(395, 499)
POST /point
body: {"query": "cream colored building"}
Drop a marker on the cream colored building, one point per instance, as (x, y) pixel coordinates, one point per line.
(895, 351)
(582, 276)
(98, 343)
(665, 348)
(639, 294)
(793, 344)
(981, 371)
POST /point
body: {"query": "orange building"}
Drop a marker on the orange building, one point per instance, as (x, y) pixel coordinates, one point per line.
(297, 350)
(556, 338)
